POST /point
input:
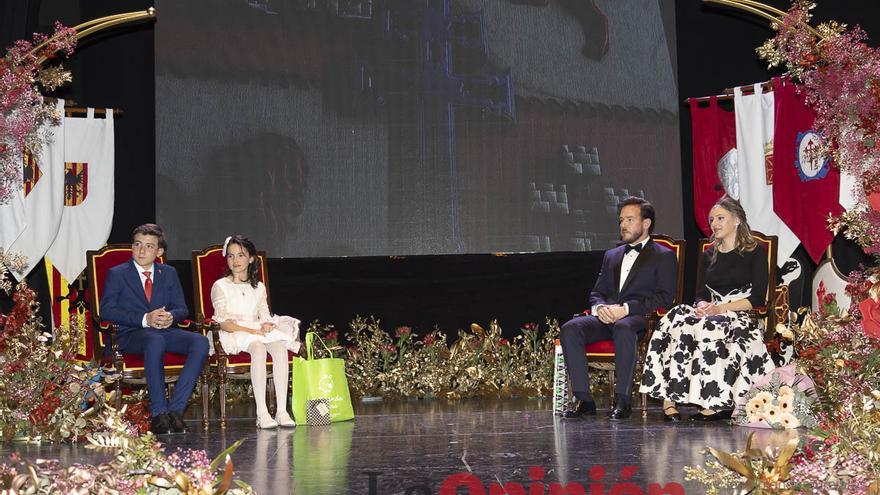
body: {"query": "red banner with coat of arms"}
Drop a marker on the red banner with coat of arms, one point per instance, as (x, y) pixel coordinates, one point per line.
(806, 186)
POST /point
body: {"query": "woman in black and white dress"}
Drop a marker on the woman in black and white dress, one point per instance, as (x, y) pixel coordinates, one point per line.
(710, 353)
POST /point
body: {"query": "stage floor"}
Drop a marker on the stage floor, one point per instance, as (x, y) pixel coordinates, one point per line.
(414, 447)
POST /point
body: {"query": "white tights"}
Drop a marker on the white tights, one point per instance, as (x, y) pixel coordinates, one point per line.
(278, 351)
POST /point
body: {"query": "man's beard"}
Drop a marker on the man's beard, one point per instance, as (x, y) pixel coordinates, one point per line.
(632, 236)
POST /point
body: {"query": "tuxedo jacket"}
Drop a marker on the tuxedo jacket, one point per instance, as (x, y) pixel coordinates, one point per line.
(651, 282)
(125, 304)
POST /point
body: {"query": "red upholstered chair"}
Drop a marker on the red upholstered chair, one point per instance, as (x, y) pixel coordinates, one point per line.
(208, 265)
(600, 355)
(130, 366)
(777, 306)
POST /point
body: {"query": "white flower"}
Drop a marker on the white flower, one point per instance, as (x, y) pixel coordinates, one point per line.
(765, 397)
(789, 420)
(771, 414)
(785, 403)
(754, 406)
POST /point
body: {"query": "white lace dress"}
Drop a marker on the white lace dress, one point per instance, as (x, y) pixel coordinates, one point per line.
(248, 307)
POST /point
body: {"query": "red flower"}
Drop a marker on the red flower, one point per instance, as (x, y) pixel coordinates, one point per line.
(402, 332)
(809, 352)
(820, 292)
(503, 341)
(429, 339)
(332, 335)
(870, 310)
(530, 327)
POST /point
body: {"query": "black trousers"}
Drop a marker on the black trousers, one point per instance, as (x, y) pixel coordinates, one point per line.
(583, 330)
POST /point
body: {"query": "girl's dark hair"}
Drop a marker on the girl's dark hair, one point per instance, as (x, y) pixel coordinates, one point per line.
(248, 246)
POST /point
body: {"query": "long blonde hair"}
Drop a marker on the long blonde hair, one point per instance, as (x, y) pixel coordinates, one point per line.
(743, 241)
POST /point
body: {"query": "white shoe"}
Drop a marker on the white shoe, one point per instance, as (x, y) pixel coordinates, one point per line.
(283, 419)
(265, 422)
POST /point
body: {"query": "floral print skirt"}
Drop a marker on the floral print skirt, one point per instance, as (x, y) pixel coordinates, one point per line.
(708, 361)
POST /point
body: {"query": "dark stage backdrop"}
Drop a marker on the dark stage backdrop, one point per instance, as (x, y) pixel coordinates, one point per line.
(350, 128)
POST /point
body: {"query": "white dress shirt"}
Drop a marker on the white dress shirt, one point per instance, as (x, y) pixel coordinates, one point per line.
(626, 265)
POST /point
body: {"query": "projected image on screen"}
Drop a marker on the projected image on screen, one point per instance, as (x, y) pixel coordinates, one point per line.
(346, 128)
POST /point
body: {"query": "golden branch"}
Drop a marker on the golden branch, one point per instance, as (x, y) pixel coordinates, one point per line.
(90, 27)
(761, 9)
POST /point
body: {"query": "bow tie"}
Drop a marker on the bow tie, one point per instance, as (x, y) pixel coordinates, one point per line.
(637, 248)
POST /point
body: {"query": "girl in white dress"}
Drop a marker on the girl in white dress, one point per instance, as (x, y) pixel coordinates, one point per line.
(242, 310)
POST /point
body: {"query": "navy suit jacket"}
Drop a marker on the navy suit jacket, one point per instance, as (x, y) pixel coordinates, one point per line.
(651, 282)
(125, 304)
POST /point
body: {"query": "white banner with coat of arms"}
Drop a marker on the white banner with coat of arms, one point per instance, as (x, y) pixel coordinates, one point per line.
(755, 124)
(88, 192)
(30, 221)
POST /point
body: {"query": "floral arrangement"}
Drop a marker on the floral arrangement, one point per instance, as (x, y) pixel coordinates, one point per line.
(840, 74)
(754, 470)
(139, 465)
(44, 393)
(778, 405)
(22, 107)
(47, 396)
(480, 363)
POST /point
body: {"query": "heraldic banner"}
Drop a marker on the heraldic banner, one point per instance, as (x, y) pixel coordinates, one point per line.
(714, 141)
(40, 197)
(756, 168)
(69, 307)
(87, 194)
(806, 188)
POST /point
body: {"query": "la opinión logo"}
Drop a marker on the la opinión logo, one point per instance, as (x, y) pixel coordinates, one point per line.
(470, 484)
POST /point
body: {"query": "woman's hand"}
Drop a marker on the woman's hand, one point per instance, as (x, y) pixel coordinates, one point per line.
(267, 327)
(705, 308)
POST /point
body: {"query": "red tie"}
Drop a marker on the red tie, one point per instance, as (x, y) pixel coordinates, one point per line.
(148, 286)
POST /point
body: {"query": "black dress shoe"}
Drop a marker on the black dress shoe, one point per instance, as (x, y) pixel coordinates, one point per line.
(177, 424)
(161, 424)
(716, 416)
(620, 411)
(581, 408)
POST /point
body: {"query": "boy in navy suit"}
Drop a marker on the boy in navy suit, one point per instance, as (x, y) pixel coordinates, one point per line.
(637, 277)
(144, 298)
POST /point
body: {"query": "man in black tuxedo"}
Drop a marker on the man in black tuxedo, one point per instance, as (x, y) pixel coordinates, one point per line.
(636, 277)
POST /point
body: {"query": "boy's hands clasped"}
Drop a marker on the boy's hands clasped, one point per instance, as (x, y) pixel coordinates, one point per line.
(159, 318)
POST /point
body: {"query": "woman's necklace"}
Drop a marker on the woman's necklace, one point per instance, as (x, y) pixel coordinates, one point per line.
(240, 286)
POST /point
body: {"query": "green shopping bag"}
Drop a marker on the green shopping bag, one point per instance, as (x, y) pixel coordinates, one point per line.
(320, 379)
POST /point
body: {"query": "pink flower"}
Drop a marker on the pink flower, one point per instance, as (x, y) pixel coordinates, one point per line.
(430, 339)
(332, 335)
(402, 332)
